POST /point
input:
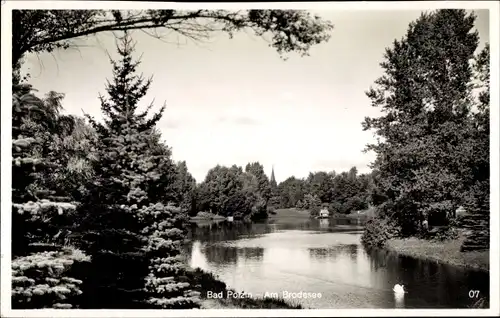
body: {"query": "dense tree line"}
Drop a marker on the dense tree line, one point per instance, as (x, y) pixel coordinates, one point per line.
(232, 191)
(99, 209)
(433, 145)
(341, 193)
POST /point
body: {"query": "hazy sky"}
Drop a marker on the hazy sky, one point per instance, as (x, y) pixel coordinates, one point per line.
(233, 101)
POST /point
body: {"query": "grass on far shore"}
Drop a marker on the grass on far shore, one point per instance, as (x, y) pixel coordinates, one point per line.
(294, 213)
(281, 214)
(446, 252)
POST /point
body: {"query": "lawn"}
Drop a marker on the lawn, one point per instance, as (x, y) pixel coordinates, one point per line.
(291, 213)
(446, 252)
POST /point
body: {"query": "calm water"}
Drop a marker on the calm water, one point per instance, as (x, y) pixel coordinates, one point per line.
(325, 256)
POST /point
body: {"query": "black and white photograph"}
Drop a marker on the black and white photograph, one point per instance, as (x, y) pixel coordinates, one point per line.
(249, 159)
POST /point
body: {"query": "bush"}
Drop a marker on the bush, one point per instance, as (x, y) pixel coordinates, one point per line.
(314, 210)
(205, 215)
(300, 205)
(238, 216)
(446, 233)
(271, 210)
(331, 208)
(336, 208)
(378, 230)
(259, 210)
(443, 233)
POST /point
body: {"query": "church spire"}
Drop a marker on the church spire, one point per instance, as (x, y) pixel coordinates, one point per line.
(272, 181)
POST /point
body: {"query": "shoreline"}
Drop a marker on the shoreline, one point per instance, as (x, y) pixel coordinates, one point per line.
(206, 282)
(446, 253)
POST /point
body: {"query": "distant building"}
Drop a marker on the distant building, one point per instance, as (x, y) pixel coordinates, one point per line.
(461, 211)
(324, 213)
(272, 180)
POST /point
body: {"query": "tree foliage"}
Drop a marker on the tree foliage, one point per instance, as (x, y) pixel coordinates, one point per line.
(230, 191)
(429, 127)
(185, 188)
(36, 31)
(41, 206)
(342, 192)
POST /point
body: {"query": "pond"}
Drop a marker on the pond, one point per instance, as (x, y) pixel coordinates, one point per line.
(325, 259)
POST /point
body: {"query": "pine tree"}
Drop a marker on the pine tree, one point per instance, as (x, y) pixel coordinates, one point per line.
(134, 235)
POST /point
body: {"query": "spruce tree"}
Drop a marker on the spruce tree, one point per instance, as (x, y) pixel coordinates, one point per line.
(134, 234)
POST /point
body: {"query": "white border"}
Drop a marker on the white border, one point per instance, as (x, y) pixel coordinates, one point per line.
(6, 171)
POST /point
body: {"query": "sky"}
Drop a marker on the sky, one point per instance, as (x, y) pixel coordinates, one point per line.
(234, 101)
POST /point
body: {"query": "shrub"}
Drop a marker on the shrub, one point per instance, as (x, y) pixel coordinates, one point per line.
(378, 230)
(314, 211)
(300, 205)
(271, 210)
(331, 208)
(205, 215)
(336, 208)
(445, 233)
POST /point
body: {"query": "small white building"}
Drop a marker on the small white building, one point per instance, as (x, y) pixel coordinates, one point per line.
(461, 211)
(324, 213)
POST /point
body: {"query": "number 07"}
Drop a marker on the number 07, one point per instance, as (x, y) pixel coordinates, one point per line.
(473, 293)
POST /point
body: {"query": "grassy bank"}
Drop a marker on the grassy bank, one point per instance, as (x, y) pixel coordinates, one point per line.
(293, 213)
(446, 252)
(205, 282)
(281, 214)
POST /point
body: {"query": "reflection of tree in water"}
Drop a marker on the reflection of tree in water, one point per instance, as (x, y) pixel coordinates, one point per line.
(229, 255)
(305, 226)
(353, 251)
(345, 221)
(221, 254)
(379, 258)
(251, 253)
(334, 251)
(427, 282)
(225, 231)
(324, 223)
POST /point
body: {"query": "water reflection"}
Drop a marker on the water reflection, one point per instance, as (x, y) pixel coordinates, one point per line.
(333, 252)
(324, 223)
(399, 300)
(218, 254)
(316, 256)
(427, 283)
